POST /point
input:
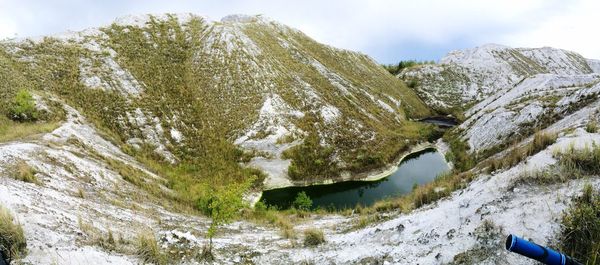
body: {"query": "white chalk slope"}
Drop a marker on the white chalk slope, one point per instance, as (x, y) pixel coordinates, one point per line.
(82, 198)
(471, 75)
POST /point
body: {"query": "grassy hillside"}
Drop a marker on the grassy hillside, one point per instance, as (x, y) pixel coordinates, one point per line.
(178, 92)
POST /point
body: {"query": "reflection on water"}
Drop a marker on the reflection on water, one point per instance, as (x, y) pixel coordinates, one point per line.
(418, 168)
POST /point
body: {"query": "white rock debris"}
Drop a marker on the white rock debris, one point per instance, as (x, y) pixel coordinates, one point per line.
(274, 122)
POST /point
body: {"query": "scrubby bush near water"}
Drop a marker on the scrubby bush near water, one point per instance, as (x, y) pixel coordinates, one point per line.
(302, 202)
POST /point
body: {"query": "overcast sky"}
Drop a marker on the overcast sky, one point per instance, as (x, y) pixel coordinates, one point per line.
(387, 30)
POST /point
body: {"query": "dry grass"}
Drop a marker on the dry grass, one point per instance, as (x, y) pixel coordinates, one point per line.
(572, 164)
(580, 235)
(280, 219)
(24, 172)
(540, 141)
(10, 130)
(313, 237)
(148, 250)
(12, 238)
(592, 127)
(584, 161)
(517, 154)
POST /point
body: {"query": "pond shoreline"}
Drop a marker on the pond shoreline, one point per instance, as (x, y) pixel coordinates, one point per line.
(369, 176)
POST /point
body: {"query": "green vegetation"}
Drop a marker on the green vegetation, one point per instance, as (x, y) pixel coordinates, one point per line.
(148, 250)
(11, 130)
(23, 107)
(459, 151)
(397, 68)
(12, 240)
(310, 160)
(580, 235)
(581, 162)
(313, 237)
(302, 202)
(222, 208)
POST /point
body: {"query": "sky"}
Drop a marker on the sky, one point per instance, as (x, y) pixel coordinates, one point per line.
(387, 30)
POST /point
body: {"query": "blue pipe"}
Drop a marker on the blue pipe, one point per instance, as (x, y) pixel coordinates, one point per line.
(534, 251)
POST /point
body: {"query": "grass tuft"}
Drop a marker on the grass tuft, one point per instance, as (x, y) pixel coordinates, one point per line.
(580, 235)
(24, 172)
(313, 237)
(148, 250)
(12, 238)
(540, 141)
(591, 127)
(583, 161)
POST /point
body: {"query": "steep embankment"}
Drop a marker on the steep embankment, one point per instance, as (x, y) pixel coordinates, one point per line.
(466, 76)
(512, 91)
(182, 88)
(136, 125)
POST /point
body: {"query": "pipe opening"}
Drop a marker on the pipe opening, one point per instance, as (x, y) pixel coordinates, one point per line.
(509, 242)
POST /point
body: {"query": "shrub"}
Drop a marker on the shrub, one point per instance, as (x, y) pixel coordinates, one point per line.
(580, 235)
(222, 208)
(313, 237)
(302, 202)
(12, 239)
(458, 153)
(311, 160)
(23, 107)
(397, 68)
(148, 249)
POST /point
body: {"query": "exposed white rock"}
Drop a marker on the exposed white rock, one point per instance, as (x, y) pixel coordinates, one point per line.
(109, 76)
(471, 75)
(143, 20)
(151, 131)
(274, 122)
(176, 135)
(329, 113)
(538, 95)
(594, 65)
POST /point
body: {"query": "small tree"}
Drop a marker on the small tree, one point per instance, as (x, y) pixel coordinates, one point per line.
(302, 201)
(23, 107)
(223, 206)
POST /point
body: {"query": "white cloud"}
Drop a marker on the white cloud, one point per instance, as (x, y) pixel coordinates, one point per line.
(575, 29)
(384, 29)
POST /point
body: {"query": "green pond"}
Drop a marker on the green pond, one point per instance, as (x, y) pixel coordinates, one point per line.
(417, 168)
